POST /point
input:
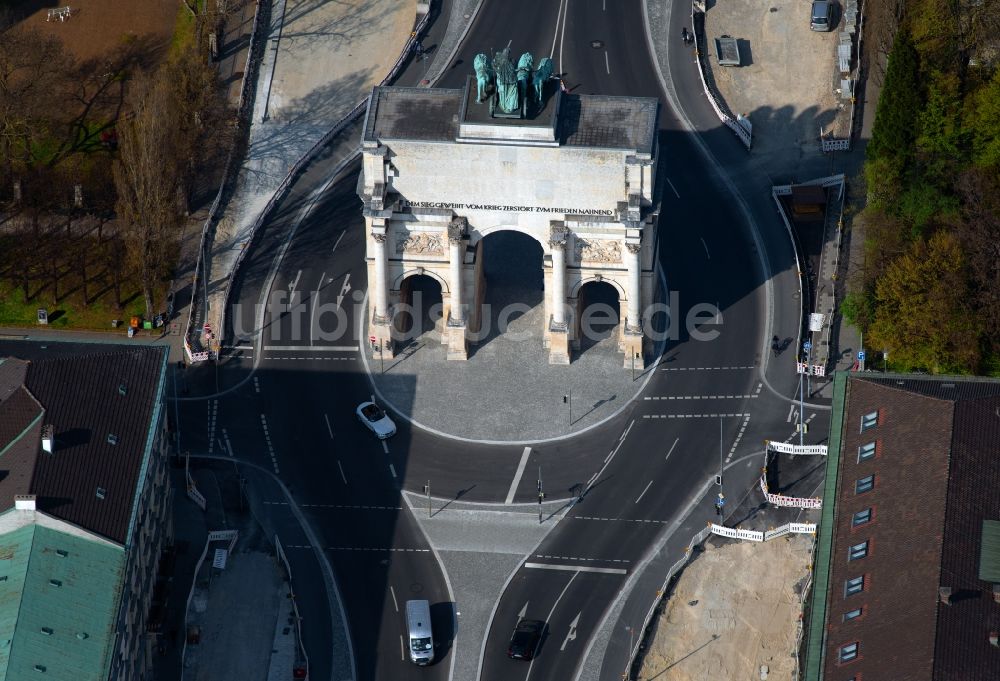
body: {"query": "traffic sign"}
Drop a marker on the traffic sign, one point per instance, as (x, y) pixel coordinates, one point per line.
(861, 355)
(807, 345)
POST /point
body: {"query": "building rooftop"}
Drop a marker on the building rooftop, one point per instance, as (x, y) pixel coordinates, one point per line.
(926, 613)
(58, 604)
(103, 402)
(435, 114)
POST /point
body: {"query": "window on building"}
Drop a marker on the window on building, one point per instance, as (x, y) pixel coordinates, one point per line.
(862, 517)
(865, 484)
(854, 586)
(851, 614)
(848, 652)
(866, 451)
(858, 551)
(869, 420)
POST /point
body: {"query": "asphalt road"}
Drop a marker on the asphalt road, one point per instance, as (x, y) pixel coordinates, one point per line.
(296, 412)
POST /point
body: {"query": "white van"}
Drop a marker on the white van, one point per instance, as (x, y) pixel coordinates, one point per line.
(418, 625)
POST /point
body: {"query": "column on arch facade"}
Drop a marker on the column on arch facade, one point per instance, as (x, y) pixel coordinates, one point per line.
(558, 329)
(632, 334)
(458, 347)
(381, 322)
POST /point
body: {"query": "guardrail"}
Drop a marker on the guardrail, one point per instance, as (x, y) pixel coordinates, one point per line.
(739, 125)
(192, 346)
(306, 159)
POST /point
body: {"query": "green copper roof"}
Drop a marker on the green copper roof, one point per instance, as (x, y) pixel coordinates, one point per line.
(59, 598)
(989, 560)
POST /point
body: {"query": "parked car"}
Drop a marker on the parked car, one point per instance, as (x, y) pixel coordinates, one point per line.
(525, 639)
(821, 18)
(376, 420)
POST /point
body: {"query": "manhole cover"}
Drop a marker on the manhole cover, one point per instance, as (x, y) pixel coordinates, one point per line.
(774, 9)
(597, 44)
(416, 587)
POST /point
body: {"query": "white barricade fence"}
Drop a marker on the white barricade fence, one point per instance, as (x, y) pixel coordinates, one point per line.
(796, 450)
(192, 491)
(755, 535)
(223, 535)
(60, 13)
(788, 502)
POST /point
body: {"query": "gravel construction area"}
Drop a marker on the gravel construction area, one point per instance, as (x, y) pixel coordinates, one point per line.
(96, 27)
(787, 79)
(734, 610)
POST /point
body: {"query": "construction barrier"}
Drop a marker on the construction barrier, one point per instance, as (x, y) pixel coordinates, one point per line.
(795, 450)
(755, 535)
(788, 502)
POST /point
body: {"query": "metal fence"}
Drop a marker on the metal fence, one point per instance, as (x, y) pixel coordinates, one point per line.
(738, 124)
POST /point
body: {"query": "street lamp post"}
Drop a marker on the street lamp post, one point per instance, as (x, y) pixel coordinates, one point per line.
(541, 495)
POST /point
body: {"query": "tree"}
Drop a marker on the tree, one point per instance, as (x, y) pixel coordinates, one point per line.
(923, 312)
(147, 177)
(940, 139)
(984, 123)
(895, 117)
(979, 233)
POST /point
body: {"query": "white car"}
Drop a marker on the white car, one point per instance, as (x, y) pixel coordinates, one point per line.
(376, 420)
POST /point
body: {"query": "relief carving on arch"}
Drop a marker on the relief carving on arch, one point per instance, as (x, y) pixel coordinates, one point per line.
(419, 243)
(609, 252)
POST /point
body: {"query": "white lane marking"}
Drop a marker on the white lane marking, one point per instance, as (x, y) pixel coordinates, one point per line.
(242, 347)
(549, 619)
(739, 436)
(296, 282)
(337, 242)
(748, 366)
(394, 603)
(555, 34)
(344, 289)
(517, 476)
(571, 636)
(603, 560)
(312, 304)
(256, 385)
(343, 477)
(402, 649)
(372, 548)
(392, 469)
(608, 460)
(229, 445)
(607, 66)
(791, 410)
(520, 615)
(343, 506)
(577, 568)
(707, 254)
(311, 348)
(328, 428)
(673, 188)
(671, 449)
(270, 447)
(747, 396)
(385, 447)
(644, 491)
(691, 416)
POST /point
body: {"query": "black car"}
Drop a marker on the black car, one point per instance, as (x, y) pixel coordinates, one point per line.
(525, 639)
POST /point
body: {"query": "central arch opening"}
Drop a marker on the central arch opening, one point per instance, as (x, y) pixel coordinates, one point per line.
(420, 317)
(515, 287)
(598, 315)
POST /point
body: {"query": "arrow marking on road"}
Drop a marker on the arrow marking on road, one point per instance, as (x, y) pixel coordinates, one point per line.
(296, 282)
(571, 636)
(344, 289)
(520, 615)
(791, 412)
(337, 243)
(394, 603)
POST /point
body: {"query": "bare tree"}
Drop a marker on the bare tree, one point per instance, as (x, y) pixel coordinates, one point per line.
(147, 177)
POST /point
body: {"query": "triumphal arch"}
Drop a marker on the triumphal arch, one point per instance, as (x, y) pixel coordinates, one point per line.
(512, 150)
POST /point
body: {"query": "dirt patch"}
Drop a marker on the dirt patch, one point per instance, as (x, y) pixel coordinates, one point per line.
(735, 608)
(786, 84)
(96, 27)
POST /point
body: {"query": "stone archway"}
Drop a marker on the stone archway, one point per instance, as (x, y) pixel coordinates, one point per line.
(420, 310)
(511, 288)
(597, 314)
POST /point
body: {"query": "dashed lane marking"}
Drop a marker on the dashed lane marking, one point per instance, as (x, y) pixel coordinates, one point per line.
(340, 506)
(739, 436)
(748, 396)
(576, 568)
(213, 413)
(326, 359)
(358, 548)
(616, 520)
(691, 416)
(603, 560)
(311, 348)
(270, 447)
(732, 368)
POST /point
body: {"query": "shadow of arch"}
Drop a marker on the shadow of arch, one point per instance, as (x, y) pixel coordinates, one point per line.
(598, 313)
(419, 316)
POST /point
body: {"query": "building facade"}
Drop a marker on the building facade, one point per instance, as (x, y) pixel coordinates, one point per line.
(440, 174)
(84, 452)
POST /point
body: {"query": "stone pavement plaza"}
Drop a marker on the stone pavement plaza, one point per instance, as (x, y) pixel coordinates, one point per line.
(507, 391)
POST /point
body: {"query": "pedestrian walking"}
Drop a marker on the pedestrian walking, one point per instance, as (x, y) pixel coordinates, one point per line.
(684, 35)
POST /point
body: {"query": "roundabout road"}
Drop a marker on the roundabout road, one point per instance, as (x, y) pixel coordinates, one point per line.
(637, 476)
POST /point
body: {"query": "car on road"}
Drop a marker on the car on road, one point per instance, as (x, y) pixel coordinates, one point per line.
(525, 639)
(376, 420)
